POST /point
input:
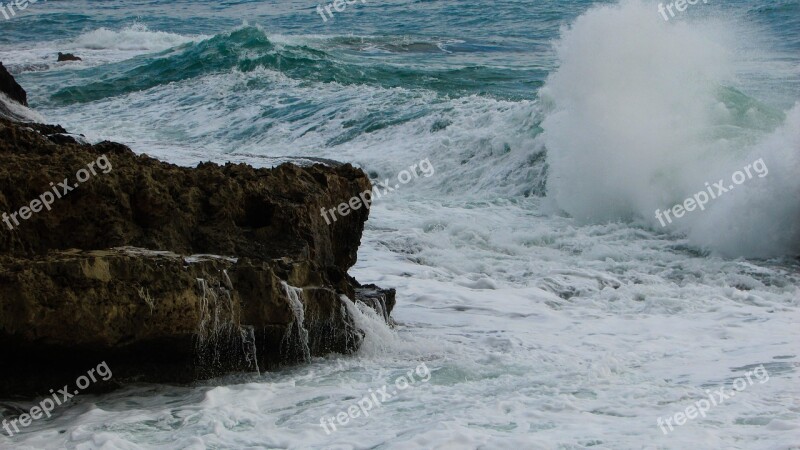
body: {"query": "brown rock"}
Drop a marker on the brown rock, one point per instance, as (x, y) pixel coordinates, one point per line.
(274, 298)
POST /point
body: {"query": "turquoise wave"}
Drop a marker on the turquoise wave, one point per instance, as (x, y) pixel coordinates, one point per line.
(248, 48)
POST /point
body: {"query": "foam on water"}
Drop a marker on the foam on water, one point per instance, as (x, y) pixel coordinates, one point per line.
(10, 109)
(97, 47)
(485, 147)
(136, 37)
(540, 330)
(378, 337)
(651, 128)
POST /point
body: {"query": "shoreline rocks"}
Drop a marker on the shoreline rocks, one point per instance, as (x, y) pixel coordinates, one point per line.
(119, 268)
(10, 87)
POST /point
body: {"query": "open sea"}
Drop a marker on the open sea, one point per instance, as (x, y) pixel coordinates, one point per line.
(534, 278)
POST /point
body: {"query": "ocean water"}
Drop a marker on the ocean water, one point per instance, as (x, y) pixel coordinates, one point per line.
(536, 286)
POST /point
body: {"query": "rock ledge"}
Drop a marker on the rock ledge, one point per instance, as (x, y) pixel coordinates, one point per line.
(121, 268)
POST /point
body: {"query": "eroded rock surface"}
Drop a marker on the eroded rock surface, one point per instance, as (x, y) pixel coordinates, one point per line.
(107, 273)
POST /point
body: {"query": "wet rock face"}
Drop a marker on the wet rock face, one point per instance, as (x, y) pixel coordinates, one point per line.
(105, 272)
(162, 317)
(9, 86)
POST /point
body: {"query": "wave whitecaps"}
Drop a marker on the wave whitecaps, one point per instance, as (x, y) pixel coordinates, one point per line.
(639, 118)
(134, 37)
(249, 48)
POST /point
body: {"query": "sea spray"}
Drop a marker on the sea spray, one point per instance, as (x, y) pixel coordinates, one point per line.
(378, 335)
(221, 341)
(655, 120)
(294, 295)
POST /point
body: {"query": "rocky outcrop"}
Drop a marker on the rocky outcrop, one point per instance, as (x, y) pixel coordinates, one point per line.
(62, 57)
(117, 266)
(161, 317)
(140, 201)
(10, 87)
(14, 100)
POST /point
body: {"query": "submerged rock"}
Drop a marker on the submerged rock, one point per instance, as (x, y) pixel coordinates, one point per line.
(67, 57)
(114, 266)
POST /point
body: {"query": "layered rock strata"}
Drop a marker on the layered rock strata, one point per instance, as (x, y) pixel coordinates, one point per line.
(168, 273)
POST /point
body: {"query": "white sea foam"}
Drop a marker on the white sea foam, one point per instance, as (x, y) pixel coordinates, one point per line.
(541, 331)
(136, 37)
(96, 47)
(650, 126)
(10, 109)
